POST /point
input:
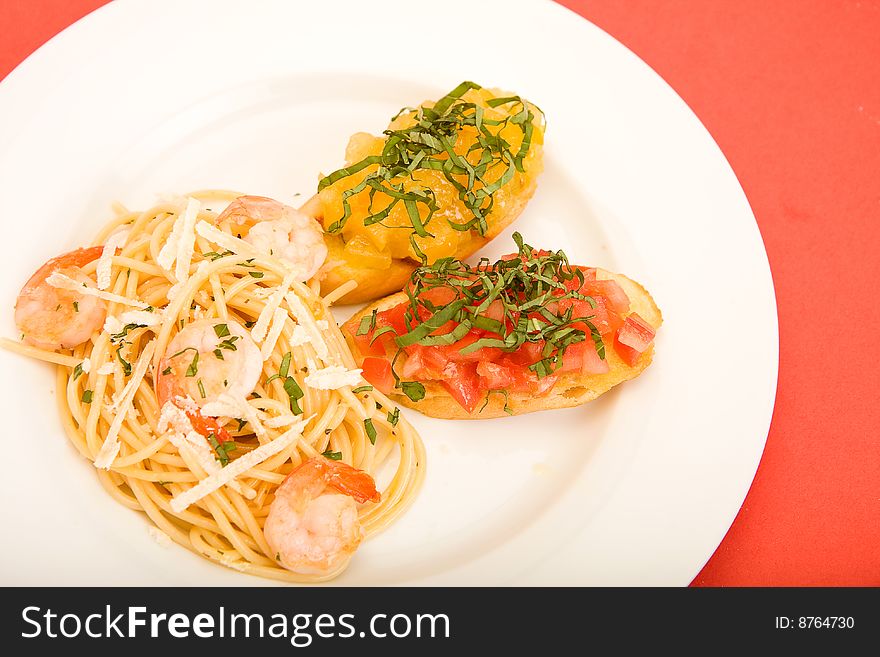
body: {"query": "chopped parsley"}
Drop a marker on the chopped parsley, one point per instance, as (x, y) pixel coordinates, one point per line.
(394, 417)
(333, 456)
(295, 393)
(371, 430)
(87, 397)
(362, 389)
(126, 366)
(222, 449)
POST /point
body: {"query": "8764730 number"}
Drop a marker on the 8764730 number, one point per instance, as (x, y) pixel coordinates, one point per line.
(815, 622)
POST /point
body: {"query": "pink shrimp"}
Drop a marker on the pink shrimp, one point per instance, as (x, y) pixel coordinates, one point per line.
(313, 524)
(279, 230)
(55, 318)
(208, 358)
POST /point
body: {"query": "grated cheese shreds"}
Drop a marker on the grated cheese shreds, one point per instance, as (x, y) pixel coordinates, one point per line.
(159, 536)
(168, 252)
(225, 241)
(333, 377)
(307, 321)
(224, 406)
(238, 467)
(227, 405)
(186, 243)
(142, 317)
(280, 421)
(104, 268)
(57, 279)
(299, 336)
(279, 317)
(258, 333)
(86, 365)
(107, 368)
(110, 448)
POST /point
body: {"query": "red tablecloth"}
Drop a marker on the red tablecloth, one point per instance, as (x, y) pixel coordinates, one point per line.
(790, 90)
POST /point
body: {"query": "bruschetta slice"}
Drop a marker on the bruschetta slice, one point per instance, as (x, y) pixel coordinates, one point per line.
(441, 181)
(527, 333)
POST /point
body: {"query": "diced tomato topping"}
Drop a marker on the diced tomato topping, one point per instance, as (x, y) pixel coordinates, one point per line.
(467, 377)
(528, 354)
(453, 351)
(495, 311)
(414, 366)
(438, 296)
(495, 376)
(633, 338)
(367, 347)
(378, 372)
(616, 299)
(582, 357)
(464, 384)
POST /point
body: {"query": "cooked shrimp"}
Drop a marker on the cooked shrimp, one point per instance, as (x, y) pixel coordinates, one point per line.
(313, 525)
(207, 358)
(54, 318)
(279, 230)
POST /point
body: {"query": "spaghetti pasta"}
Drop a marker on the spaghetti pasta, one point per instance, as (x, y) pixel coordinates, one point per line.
(203, 457)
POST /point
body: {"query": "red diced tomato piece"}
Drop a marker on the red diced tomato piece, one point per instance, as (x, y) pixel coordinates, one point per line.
(527, 354)
(464, 384)
(393, 317)
(495, 310)
(453, 351)
(378, 372)
(434, 359)
(495, 376)
(367, 347)
(616, 299)
(438, 296)
(414, 365)
(633, 338)
(543, 385)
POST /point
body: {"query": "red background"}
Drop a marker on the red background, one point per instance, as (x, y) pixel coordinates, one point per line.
(790, 90)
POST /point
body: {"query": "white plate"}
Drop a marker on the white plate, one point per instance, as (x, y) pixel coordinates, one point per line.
(145, 98)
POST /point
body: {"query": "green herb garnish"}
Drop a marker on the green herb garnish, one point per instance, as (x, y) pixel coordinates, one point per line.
(362, 389)
(126, 366)
(532, 299)
(295, 393)
(222, 449)
(371, 430)
(333, 456)
(87, 397)
(193, 368)
(429, 145)
(77, 371)
(394, 417)
(222, 330)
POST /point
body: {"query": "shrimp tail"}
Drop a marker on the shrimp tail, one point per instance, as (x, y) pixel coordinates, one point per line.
(166, 391)
(339, 476)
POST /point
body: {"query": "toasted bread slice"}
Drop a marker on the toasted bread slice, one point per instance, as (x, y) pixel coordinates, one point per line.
(375, 283)
(572, 389)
